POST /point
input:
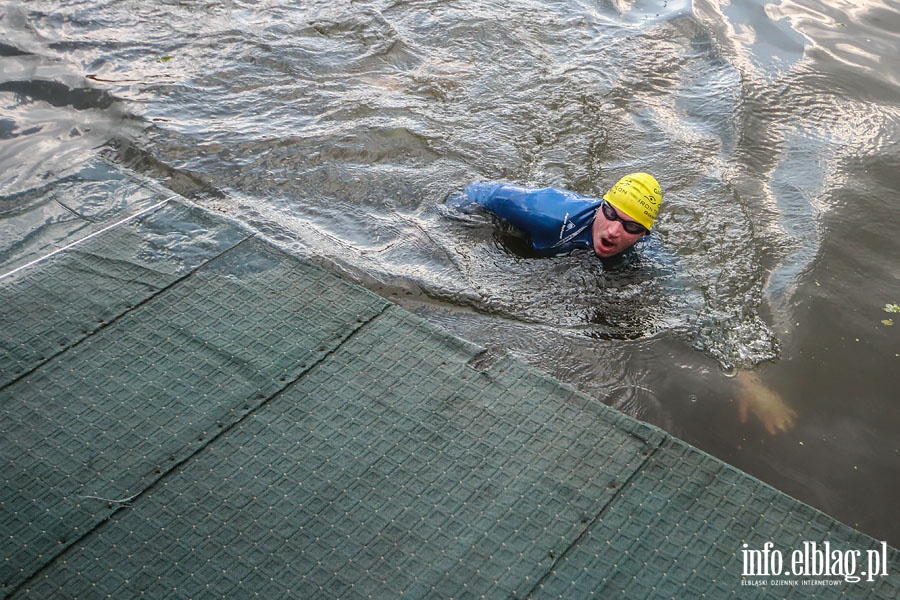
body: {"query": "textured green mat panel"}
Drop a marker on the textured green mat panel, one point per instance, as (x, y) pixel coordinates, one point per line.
(678, 529)
(390, 469)
(50, 306)
(37, 222)
(186, 411)
(108, 417)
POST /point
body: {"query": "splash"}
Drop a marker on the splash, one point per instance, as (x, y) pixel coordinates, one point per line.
(340, 130)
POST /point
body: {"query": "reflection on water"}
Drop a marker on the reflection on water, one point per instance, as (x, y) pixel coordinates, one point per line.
(339, 129)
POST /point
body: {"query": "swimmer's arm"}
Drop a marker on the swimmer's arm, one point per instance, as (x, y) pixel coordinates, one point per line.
(523, 208)
(765, 404)
(508, 202)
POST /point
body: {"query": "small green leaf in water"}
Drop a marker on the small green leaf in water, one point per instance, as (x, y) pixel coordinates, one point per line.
(892, 308)
(165, 58)
(887, 322)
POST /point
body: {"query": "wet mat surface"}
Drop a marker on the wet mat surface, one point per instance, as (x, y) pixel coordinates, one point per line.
(34, 223)
(50, 307)
(102, 421)
(390, 466)
(678, 530)
(216, 418)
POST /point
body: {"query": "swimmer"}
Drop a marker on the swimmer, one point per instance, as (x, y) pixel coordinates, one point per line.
(557, 221)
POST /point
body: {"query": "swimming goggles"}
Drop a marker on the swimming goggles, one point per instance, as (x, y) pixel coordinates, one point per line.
(632, 227)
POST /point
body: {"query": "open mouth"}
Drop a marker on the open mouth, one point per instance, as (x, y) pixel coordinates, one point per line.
(606, 245)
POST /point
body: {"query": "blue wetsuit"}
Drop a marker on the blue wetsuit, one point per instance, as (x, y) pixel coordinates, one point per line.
(555, 220)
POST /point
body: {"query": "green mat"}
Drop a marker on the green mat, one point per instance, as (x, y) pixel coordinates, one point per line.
(187, 411)
(135, 391)
(50, 307)
(41, 220)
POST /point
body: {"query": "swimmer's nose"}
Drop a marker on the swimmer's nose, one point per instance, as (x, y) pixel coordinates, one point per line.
(615, 229)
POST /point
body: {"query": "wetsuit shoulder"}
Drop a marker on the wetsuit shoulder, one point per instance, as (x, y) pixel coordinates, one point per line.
(554, 219)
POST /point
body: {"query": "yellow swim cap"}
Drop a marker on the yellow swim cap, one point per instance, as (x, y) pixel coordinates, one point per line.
(638, 196)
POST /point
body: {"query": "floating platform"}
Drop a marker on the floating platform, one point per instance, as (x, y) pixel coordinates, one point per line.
(187, 411)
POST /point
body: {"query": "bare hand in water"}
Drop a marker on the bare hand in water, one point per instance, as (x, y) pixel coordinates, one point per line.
(766, 405)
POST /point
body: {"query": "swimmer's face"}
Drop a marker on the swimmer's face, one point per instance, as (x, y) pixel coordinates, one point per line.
(609, 236)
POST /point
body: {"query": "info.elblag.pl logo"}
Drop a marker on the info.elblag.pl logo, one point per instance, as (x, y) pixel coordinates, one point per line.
(813, 564)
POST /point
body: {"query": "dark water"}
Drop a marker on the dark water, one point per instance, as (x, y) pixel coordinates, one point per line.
(338, 129)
